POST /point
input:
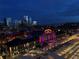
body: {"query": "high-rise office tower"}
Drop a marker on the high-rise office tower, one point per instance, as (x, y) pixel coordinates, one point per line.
(17, 23)
(5, 22)
(8, 21)
(26, 18)
(30, 21)
(34, 23)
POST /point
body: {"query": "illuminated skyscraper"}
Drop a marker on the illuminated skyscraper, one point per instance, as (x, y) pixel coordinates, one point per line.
(34, 23)
(26, 19)
(30, 21)
(17, 23)
(8, 22)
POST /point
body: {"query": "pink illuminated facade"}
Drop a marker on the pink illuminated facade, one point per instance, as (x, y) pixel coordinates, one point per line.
(49, 37)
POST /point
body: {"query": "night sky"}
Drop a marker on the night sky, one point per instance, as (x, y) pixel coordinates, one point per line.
(44, 11)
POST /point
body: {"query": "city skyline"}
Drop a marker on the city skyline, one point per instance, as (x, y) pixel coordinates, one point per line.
(46, 12)
(39, 29)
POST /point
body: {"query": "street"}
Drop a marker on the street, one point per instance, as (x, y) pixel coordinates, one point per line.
(70, 50)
